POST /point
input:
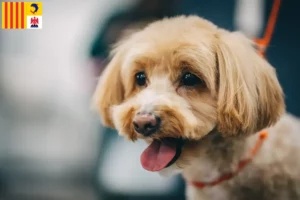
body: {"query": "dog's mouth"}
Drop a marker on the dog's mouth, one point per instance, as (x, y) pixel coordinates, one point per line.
(161, 153)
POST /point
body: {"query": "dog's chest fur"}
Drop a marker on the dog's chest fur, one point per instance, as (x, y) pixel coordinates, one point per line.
(273, 173)
(243, 187)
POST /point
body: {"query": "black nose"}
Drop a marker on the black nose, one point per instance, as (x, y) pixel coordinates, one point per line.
(146, 123)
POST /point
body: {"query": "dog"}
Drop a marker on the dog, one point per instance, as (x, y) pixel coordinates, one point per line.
(204, 100)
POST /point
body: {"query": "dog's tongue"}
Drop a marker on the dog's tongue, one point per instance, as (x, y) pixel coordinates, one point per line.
(159, 154)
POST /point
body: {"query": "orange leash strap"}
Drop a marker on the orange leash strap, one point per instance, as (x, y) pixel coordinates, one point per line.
(262, 137)
(264, 42)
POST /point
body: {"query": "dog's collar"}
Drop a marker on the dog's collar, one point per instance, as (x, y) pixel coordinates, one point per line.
(262, 136)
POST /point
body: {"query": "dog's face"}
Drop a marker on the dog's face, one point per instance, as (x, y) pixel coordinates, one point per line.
(178, 79)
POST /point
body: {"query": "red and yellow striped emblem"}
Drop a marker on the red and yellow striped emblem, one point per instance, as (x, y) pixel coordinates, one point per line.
(14, 14)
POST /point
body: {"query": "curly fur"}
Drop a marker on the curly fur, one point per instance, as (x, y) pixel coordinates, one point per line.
(220, 119)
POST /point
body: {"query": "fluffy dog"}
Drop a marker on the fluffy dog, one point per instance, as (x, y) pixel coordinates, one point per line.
(199, 95)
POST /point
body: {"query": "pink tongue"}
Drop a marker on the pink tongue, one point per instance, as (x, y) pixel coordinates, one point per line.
(158, 155)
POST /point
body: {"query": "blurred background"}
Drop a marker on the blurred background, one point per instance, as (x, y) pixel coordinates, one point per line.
(52, 145)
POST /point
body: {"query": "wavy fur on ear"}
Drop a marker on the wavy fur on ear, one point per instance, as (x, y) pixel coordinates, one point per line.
(249, 97)
(110, 90)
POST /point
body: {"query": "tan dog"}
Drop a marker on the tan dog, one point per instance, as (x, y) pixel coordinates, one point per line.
(198, 94)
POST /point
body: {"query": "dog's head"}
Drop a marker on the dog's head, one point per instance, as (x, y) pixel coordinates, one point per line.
(179, 79)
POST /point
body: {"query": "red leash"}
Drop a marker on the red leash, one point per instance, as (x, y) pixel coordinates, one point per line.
(263, 43)
(262, 136)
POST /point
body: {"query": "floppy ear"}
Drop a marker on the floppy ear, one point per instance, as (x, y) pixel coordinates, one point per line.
(249, 95)
(110, 90)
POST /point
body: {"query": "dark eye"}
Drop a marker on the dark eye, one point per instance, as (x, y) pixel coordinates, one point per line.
(140, 78)
(189, 79)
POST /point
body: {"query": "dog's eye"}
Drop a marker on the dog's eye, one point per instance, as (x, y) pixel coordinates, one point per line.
(189, 79)
(140, 78)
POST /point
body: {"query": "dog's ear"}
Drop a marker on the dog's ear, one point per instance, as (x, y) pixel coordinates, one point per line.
(249, 95)
(110, 89)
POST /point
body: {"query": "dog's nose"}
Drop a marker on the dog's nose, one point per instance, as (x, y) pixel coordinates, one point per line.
(146, 123)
